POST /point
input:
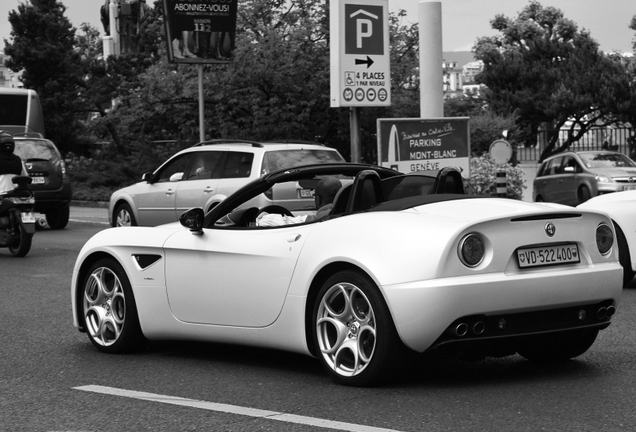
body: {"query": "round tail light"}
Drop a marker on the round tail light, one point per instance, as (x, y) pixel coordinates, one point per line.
(471, 250)
(604, 239)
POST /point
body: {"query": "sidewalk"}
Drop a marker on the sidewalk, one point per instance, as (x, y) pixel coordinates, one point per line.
(97, 215)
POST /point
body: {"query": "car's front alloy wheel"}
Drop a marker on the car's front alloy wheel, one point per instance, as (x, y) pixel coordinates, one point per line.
(124, 216)
(353, 331)
(108, 308)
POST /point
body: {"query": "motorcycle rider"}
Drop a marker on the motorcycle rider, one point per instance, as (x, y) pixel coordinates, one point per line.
(10, 166)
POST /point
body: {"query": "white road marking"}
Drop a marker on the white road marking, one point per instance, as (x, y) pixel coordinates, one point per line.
(233, 409)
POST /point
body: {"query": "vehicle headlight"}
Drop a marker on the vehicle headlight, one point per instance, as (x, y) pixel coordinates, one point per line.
(603, 178)
(604, 239)
(471, 250)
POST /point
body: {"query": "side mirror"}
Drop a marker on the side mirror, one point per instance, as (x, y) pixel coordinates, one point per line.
(193, 220)
(569, 169)
(148, 177)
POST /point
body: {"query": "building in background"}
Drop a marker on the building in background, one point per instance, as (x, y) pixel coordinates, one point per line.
(8, 78)
(460, 70)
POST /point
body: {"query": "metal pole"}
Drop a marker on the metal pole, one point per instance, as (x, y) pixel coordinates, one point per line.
(355, 135)
(201, 105)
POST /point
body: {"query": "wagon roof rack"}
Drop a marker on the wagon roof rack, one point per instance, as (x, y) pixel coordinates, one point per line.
(228, 141)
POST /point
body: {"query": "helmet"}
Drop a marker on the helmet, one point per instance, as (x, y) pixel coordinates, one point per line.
(7, 144)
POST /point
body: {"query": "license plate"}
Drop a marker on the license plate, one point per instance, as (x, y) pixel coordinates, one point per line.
(548, 255)
(629, 187)
(37, 180)
(28, 218)
(306, 193)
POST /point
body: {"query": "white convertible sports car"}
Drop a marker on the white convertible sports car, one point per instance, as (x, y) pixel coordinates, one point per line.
(401, 261)
(621, 208)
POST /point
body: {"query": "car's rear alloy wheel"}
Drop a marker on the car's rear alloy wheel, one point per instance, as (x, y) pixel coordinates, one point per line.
(124, 216)
(353, 330)
(108, 308)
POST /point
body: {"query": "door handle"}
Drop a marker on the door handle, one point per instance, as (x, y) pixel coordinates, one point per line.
(208, 190)
(294, 238)
(169, 192)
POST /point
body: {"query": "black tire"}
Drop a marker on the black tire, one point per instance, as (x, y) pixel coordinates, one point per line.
(557, 347)
(357, 347)
(624, 256)
(584, 194)
(124, 216)
(58, 218)
(22, 245)
(108, 309)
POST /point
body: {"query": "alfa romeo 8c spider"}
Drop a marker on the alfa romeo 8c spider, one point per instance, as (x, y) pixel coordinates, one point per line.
(396, 263)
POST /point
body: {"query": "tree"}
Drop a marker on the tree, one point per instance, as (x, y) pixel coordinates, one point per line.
(548, 72)
(43, 47)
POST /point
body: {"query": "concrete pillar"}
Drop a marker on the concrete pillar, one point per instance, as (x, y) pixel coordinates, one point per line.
(431, 73)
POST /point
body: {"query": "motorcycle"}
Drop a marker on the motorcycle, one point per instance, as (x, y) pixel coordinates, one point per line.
(17, 221)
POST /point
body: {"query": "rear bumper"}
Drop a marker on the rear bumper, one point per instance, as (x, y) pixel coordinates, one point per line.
(52, 200)
(425, 311)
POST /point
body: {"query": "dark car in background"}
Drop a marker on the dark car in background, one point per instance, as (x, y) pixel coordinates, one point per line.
(572, 178)
(51, 185)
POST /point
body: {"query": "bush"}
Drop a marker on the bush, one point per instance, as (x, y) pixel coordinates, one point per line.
(96, 177)
(483, 177)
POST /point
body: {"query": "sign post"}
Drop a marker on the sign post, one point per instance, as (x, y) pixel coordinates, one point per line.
(200, 32)
(360, 59)
(500, 153)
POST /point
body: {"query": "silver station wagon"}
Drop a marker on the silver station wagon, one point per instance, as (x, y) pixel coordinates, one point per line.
(206, 173)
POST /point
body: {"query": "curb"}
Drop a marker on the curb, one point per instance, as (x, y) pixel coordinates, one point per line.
(100, 204)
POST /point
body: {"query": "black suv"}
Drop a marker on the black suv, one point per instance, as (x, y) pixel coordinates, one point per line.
(51, 185)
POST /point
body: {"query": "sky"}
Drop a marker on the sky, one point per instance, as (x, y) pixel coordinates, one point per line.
(463, 21)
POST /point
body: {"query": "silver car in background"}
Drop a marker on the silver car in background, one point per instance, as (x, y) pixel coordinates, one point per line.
(572, 178)
(206, 173)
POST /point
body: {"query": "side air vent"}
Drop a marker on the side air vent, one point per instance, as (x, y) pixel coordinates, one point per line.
(145, 261)
(541, 217)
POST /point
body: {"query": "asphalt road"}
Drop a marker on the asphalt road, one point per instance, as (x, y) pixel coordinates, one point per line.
(53, 379)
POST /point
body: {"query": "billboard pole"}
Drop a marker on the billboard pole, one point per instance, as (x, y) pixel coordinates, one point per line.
(201, 106)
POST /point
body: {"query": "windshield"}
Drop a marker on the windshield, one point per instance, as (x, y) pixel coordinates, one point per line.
(606, 160)
(36, 149)
(280, 159)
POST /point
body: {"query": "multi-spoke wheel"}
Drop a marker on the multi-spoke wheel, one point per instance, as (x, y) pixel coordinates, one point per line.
(108, 308)
(124, 216)
(353, 330)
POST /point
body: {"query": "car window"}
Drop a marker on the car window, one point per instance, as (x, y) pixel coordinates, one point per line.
(178, 164)
(36, 149)
(204, 165)
(281, 159)
(606, 160)
(554, 166)
(237, 165)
